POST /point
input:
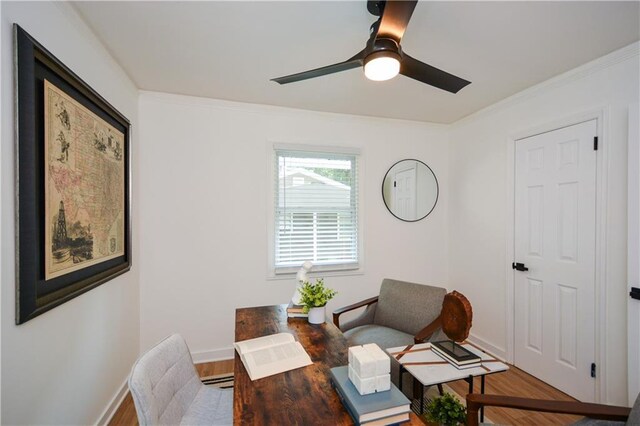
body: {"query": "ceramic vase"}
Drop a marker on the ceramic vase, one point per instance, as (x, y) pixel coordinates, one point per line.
(316, 315)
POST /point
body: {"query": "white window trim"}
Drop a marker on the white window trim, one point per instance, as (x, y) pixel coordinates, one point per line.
(318, 270)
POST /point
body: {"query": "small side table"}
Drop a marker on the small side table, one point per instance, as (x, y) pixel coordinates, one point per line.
(430, 369)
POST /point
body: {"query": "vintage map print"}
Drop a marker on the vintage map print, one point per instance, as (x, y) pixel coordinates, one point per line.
(84, 186)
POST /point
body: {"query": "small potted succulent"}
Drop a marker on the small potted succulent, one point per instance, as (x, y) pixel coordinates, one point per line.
(314, 298)
(446, 410)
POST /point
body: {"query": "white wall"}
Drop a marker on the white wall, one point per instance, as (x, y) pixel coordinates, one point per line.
(204, 194)
(1, 127)
(478, 195)
(64, 366)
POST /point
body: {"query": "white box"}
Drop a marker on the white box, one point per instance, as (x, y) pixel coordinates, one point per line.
(363, 363)
(383, 382)
(364, 386)
(352, 351)
(382, 360)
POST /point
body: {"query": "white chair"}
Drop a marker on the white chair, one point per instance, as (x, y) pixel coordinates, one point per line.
(167, 390)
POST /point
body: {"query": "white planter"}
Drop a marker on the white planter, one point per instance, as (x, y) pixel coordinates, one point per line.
(316, 315)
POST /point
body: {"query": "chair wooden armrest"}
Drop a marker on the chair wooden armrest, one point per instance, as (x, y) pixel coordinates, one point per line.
(338, 312)
(596, 411)
(428, 331)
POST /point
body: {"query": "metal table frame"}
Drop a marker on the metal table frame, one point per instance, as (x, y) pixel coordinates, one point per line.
(427, 357)
(468, 379)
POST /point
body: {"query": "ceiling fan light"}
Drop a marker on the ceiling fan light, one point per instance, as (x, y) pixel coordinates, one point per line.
(381, 66)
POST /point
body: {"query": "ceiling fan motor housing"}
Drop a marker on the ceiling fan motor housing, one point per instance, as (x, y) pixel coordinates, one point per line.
(384, 47)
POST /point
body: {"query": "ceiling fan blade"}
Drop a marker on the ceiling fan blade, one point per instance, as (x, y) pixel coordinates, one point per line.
(395, 18)
(353, 62)
(433, 76)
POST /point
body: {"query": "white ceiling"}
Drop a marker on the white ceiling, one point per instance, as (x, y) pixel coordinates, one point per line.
(230, 50)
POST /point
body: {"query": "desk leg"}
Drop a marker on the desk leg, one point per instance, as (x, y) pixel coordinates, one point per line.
(470, 381)
(482, 392)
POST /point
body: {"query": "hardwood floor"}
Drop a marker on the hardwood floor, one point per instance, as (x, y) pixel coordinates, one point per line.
(516, 382)
(513, 382)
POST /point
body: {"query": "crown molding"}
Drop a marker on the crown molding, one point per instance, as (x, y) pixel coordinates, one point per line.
(614, 58)
(248, 107)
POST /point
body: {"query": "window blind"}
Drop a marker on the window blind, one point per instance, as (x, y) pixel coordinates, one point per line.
(316, 209)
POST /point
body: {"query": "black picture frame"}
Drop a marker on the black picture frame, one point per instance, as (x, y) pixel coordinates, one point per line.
(32, 64)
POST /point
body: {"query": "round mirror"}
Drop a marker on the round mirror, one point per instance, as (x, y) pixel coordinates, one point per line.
(410, 190)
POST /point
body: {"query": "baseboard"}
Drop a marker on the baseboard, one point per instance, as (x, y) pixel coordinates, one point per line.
(214, 355)
(497, 352)
(115, 403)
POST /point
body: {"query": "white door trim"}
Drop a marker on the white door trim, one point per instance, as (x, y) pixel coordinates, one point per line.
(601, 115)
(633, 251)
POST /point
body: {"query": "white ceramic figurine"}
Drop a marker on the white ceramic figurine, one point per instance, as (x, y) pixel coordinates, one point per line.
(301, 277)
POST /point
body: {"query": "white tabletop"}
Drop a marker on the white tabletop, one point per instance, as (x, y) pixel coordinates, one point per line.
(443, 372)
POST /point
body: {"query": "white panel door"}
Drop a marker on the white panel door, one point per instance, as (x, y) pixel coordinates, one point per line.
(555, 210)
(404, 193)
(633, 263)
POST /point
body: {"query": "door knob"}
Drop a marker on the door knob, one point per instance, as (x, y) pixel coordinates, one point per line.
(635, 293)
(519, 267)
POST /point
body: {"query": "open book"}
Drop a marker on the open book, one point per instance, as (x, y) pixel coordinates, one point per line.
(269, 355)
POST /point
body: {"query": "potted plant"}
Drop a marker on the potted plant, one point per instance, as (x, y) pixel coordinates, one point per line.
(446, 410)
(314, 298)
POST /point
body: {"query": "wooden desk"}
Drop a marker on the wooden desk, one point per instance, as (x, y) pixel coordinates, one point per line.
(298, 397)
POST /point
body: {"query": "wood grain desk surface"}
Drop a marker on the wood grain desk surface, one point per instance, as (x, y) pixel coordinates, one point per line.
(298, 397)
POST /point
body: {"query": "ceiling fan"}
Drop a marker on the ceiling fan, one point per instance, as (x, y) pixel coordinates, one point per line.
(382, 56)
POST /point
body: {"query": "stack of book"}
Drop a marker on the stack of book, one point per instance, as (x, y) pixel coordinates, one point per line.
(295, 311)
(380, 408)
(456, 354)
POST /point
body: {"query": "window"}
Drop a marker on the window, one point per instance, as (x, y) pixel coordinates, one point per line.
(316, 210)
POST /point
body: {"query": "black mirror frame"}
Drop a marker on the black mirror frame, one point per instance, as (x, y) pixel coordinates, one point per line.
(435, 203)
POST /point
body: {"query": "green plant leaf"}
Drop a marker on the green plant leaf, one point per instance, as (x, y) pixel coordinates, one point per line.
(445, 409)
(315, 295)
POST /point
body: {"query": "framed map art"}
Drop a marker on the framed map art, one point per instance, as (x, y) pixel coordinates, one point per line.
(73, 203)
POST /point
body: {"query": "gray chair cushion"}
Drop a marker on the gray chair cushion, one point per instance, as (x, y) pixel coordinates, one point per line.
(210, 407)
(384, 337)
(408, 307)
(165, 387)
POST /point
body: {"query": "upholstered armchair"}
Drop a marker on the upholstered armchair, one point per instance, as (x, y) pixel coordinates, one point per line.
(167, 390)
(404, 313)
(593, 412)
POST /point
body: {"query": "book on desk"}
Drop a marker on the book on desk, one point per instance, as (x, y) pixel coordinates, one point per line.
(268, 355)
(296, 311)
(380, 408)
(457, 355)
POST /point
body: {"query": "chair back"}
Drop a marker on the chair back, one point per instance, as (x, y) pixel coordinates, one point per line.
(407, 306)
(164, 382)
